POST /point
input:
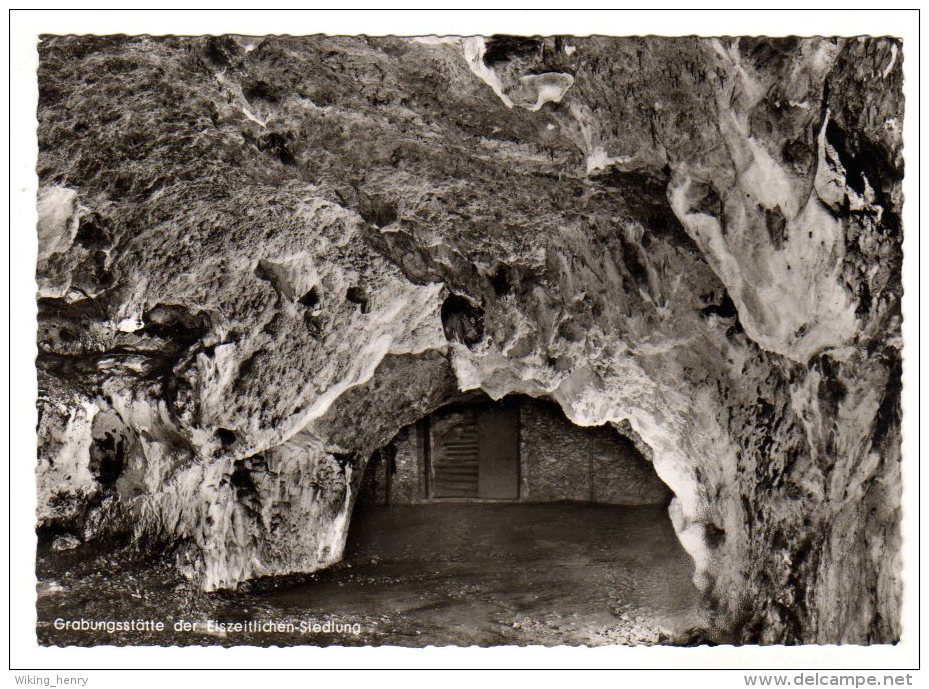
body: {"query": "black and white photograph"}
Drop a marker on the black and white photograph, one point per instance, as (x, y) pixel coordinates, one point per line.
(499, 339)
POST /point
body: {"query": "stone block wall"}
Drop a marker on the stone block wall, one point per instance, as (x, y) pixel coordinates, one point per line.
(561, 461)
(554, 460)
(375, 485)
(408, 478)
(396, 474)
(558, 461)
(619, 474)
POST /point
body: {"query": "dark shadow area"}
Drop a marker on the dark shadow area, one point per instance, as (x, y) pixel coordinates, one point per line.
(500, 574)
(501, 522)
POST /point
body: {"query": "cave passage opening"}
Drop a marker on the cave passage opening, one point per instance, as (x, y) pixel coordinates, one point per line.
(501, 522)
(517, 449)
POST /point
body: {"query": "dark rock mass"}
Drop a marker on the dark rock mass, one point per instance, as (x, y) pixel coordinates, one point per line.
(259, 259)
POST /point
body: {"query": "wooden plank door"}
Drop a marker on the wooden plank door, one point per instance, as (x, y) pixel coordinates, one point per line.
(455, 461)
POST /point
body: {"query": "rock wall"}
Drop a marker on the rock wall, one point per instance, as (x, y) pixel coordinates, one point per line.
(260, 259)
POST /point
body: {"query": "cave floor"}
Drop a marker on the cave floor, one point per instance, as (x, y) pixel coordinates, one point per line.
(418, 575)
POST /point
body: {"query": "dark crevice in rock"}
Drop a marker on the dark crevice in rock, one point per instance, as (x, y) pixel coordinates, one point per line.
(359, 296)
(864, 301)
(709, 203)
(857, 124)
(502, 281)
(462, 321)
(176, 324)
(70, 345)
(714, 535)
(92, 233)
(376, 210)
(279, 146)
(226, 437)
(243, 483)
(264, 270)
(644, 194)
(107, 458)
(831, 389)
(776, 224)
(857, 167)
(887, 419)
(274, 143)
(94, 367)
(311, 299)
(147, 356)
(633, 262)
(260, 91)
(724, 309)
(503, 48)
(223, 51)
(344, 460)
(54, 308)
(248, 366)
(768, 53)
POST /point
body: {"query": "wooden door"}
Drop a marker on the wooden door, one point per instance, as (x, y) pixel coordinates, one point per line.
(498, 450)
(455, 458)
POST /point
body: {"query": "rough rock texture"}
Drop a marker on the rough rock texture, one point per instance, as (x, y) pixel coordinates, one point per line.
(261, 258)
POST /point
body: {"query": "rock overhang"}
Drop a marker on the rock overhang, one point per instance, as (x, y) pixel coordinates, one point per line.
(306, 252)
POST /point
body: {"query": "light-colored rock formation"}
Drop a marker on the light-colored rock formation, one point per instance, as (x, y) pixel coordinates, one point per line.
(258, 262)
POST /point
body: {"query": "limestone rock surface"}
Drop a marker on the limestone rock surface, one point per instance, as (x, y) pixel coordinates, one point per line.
(260, 258)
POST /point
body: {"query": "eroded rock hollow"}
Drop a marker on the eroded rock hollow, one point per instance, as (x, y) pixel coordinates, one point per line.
(260, 258)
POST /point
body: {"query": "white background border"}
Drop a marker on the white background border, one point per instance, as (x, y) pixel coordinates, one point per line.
(24, 29)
